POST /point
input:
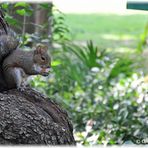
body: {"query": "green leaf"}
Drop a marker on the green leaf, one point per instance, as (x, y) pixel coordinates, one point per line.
(55, 63)
(21, 12)
(45, 5)
(24, 12)
(4, 5)
(11, 20)
(21, 4)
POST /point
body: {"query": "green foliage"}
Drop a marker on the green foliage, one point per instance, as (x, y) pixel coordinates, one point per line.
(46, 5)
(60, 29)
(103, 98)
(23, 9)
(22, 4)
(11, 20)
(5, 5)
(88, 55)
(143, 38)
(124, 65)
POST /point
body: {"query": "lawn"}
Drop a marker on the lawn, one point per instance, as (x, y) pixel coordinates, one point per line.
(107, 31)
(119, 34)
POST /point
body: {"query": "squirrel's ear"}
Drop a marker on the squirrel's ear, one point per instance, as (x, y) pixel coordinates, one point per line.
(41, 49)
(45, 48)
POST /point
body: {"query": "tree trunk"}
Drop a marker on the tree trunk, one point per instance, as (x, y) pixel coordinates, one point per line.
(28, 117)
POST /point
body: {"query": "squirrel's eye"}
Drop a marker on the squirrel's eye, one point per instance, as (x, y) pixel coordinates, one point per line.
(43, 58)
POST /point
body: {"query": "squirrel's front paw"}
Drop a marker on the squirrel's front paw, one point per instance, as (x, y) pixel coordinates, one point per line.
(21, 88)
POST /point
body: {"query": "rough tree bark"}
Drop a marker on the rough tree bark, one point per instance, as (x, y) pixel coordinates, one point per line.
(30, 118)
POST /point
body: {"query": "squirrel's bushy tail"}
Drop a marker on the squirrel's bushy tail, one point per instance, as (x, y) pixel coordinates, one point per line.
(4, 24)
(8, 38)
(8, 43)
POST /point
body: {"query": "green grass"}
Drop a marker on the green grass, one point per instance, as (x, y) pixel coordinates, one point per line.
(119, 34)
(107, 31)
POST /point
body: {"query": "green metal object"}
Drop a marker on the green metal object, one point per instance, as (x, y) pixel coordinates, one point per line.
(138, 5)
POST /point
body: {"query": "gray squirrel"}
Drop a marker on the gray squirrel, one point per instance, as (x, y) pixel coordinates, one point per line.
(15, 64)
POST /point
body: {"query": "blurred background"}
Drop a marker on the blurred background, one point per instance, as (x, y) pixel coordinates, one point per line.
(99, 64)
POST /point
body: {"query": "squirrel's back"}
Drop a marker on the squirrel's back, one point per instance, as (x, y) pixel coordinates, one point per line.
(18, 61)
(19, 58)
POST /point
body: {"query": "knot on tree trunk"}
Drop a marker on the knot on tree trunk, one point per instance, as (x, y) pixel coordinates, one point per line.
(30, 118)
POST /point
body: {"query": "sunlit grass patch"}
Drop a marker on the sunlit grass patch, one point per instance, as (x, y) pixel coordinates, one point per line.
(118, 37)
(105, 30)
